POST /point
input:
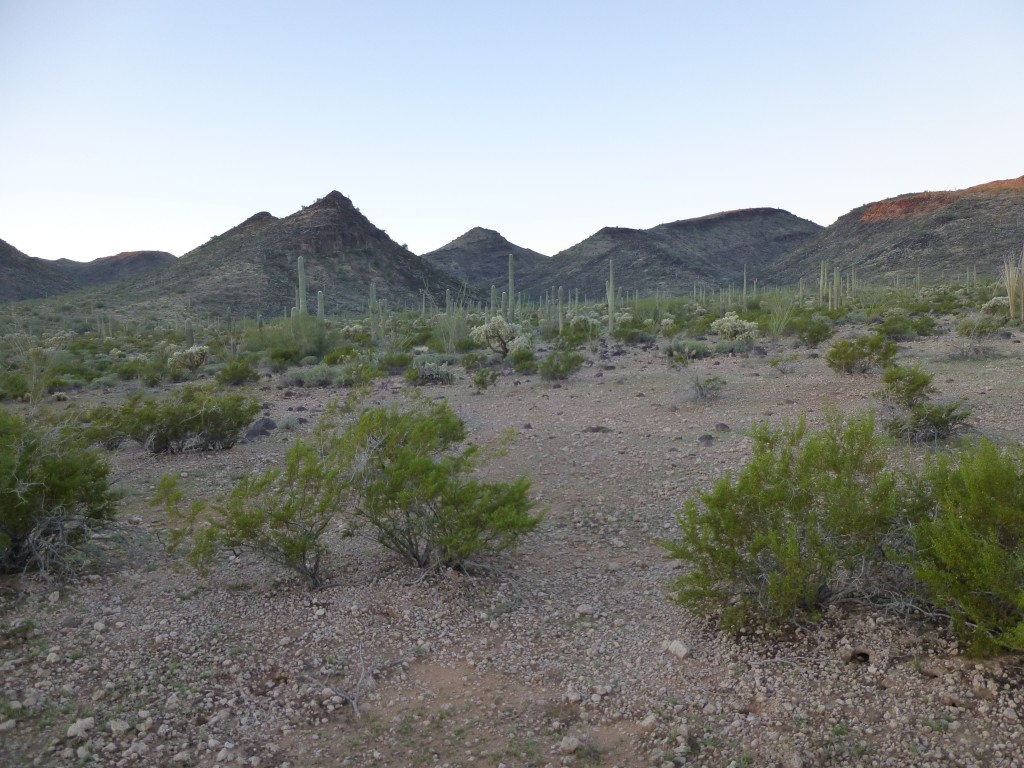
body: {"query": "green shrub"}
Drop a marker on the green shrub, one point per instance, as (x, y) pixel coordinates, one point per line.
(281, 515)
(417, 493)
(630, 333)
(484, 378)
(685, 350)
(12, 384)
(734, 347)
(560, 365)
(706, 387)
(394, 362)
(425, 372)
(861, 354)
(524, 361)
(342, 354)
(917, 420)
(237, 373)
(471, 361)
(813, 330)
(807, 522)
(281, 358)
(53, 492)
(971, 550)
(929, 422)
(191, 418)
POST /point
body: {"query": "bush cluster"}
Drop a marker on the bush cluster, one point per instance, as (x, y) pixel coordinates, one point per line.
(394, 471)
(861, 354)
(819, 519)
(559, 365)
(193, 417)
(53, 491)
(732, 328)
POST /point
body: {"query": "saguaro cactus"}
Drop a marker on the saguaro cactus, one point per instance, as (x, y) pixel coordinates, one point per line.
(302, 286)
(610, 291)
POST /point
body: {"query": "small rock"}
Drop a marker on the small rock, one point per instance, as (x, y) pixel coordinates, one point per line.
(585, 610)
(82, 752)
(706, 440)
(721, 427)
(792, 760)
(8, 725)
(678, 649)
(118, 727)
(569, 745)
(54, 597)
(181, 757)
(81, 728)
(99, 626)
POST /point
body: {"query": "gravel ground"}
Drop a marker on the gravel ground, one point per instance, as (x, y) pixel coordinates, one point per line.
(567, 652)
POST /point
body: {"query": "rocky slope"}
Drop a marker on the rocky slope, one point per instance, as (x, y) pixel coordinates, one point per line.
(23, 277)
(253, 267)
(936, 233)
(110, 269)
(480, 258)
(671, 257)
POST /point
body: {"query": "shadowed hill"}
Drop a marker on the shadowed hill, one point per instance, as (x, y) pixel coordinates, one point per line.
(670, 257)
(25, 277)
(480, 258)
(109, 269)
(939, 233)
(252, 267)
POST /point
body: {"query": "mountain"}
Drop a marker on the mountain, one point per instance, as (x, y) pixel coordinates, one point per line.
(253, 267)
(112, 268)
(670, 257)
(24, 277)
(938, 233)
(480, 258)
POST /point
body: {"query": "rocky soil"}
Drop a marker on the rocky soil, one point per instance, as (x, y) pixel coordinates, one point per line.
(567, 652)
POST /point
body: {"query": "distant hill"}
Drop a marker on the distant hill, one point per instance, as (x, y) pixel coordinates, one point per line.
(24, 277)
(252, 267)
(670, 257)
(480, 258)
(938, 233)
(112, 268)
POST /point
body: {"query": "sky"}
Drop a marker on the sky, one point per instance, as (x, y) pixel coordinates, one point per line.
(145, 125)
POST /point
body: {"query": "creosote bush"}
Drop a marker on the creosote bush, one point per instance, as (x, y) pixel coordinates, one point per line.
(53, 492)
(559, 365)
(396, 472)
(417, 493)
(706, 387)
(970, 550)
(811, 520)
(236, 373)
(861, 354)
(193, 417)
(281, 514)
(915, 418)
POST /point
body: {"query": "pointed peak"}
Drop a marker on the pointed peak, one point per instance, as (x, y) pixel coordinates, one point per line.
(333, 199)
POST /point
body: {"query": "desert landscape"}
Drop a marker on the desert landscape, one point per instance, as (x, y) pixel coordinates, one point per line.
(558, 640)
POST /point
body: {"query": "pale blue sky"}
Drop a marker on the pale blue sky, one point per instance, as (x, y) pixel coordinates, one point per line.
(128, 125)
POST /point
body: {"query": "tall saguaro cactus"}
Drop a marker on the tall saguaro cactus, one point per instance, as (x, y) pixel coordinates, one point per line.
(302, 286)
(511, 309)
(610, 291)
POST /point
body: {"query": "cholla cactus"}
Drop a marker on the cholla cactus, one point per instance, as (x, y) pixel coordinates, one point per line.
(497, 334)
(189, 359)
(732, 328)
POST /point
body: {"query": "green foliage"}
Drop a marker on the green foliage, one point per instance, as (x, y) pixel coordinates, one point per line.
(906, 387)
(524, 361)
(281, 358)
(978, 326)
(192, 417)
(685, 350)
(12, 384)
(812, 329)
(417, 493)
(707, 387)
(484, 378)
(861, 354)
(901, 326)
(919, 421)
(929, 422)
(807, 522)
(237, 373)
(424, 372)
(394, 362)
(731, 328)
(53, 492)
(281, 515)
(971, 550)
(560, 365)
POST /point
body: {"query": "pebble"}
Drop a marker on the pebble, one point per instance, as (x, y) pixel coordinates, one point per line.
(81, 727)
